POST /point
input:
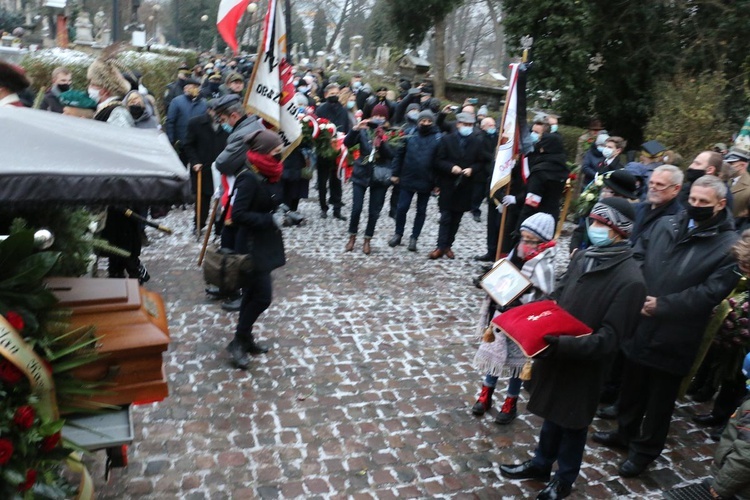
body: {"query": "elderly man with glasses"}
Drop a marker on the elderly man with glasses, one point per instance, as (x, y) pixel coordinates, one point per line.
(661, 200)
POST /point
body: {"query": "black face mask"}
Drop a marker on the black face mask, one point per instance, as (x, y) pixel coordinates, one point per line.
(136, 111)
(277, 157)
(333, 99)
(425, 129)
(700, 214)
(693, 174)
(63, 87)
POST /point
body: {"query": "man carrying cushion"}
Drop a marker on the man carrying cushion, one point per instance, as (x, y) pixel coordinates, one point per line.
(603, 288)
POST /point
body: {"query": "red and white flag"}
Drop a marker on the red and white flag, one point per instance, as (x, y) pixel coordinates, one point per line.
(271, 91)
(230, 13)
(509, 136)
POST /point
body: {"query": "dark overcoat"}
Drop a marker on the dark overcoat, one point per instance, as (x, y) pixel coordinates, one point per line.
(252, 213)
(689, 272)
(565, 387)
(456, 190)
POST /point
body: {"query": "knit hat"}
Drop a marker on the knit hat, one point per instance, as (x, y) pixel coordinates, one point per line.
(540, 224)
(13, 77)
(426, 115)
(466, 118)
(615, 213)
(411, 106)
(381, 110)
(234, 77)
(601, 139)
(104, 72)
(483, 111)
(76, 99)
(622, 183)
(262, 141)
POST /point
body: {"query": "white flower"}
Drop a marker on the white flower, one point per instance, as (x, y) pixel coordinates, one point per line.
(589, 197)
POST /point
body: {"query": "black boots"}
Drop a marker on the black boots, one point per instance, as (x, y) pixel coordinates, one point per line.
(412, 244)
(484, 401)
(239, 357)
(394, 241)
(508, 412)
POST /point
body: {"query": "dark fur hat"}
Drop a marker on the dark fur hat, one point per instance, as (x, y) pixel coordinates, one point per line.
(12, 77)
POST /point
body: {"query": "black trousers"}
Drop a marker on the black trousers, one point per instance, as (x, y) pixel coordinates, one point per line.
(449, 222)
(395, 194)
(564, 446)
(647, 398)
(256, 298)
(730, 396)
(328, 175)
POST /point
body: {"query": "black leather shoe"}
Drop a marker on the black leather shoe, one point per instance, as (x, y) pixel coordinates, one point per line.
(337, 215)
(239, 356)
(394, 241)
(256, 349)
(232, 305)
(709, 420)
(631, 469)
(323, 214)
(526, 470)
(607, 412)
(610, 439)
(554, 490)
(485, 258)
(412, 244)
(716, 433)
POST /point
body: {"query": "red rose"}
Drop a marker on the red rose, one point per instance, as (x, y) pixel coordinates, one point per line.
(9, 374)
(30, 480)
(24, 417)
(15, 320)
(50, 442)
(6, 450)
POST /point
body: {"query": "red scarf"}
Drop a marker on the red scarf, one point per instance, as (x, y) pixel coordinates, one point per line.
(541, 248)
(267, 165)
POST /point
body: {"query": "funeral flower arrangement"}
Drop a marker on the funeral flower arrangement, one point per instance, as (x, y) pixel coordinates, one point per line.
(585, 202)
(38, 352)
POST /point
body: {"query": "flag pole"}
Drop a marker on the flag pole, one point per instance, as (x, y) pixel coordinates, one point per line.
(501, 234)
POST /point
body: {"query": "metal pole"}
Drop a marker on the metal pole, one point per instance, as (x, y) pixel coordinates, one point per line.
(115, 20)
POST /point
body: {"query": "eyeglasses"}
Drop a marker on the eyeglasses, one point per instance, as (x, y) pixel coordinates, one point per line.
(659, 187)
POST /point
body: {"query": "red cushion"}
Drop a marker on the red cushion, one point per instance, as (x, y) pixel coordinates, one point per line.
(526, 325)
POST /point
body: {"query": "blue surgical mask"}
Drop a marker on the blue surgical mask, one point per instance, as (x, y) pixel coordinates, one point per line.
(465, 131)
(534, 136)
(601, 149)
(377, 121)
(492, 131)
(350, 104)
(227, 128)
(303, 89)
(412, 115)
(553, 128)
(607, 152)
(599, 236)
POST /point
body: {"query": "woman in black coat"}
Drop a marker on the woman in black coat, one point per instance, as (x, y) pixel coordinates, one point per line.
(257, 196)
(374, 153)
(604, 288)
(295, 186)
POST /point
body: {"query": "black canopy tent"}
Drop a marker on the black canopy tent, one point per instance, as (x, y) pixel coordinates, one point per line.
(48, 158)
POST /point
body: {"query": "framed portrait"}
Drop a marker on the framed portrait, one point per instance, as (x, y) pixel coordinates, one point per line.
(505, 283)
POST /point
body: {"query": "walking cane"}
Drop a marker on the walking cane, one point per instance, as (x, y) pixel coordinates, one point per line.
(198, 196)
(565, 208)
(211, 219)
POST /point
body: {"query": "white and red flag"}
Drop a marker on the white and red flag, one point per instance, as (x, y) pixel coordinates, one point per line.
(507, 151)
(230, 13)
(271, 90)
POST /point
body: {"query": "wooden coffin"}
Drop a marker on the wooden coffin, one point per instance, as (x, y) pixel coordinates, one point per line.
(131, 324)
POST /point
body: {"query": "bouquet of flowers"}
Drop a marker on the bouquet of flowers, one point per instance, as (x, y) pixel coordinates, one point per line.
(324, 142)
(585, 202)
(735, 330)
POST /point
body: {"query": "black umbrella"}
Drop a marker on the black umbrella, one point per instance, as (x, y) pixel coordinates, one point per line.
(48, 158)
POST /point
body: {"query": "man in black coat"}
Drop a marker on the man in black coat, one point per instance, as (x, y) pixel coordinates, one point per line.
(604, 289)
(334, 112)
(459, 155)
(661, 200)
(547, 173)
(62, 78)
(204, 141)
(701, 272)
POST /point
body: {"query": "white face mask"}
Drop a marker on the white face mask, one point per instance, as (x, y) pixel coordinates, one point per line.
(94, 94)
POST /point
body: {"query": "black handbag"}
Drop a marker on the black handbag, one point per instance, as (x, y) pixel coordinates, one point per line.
(226, 268)
(381, 175)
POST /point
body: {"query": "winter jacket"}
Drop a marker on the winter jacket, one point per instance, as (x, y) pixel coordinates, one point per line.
(51, 101)
(731, 466)
(488, 163)
(549, 156)
(202, 146)
(252, 214)
(413, 163)
(363, 170)
(456, 189)
(181, 110)
(565, 386)
(232, 159)
(336, 114)
(591, 159)
(646, 217)
(689, 272)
